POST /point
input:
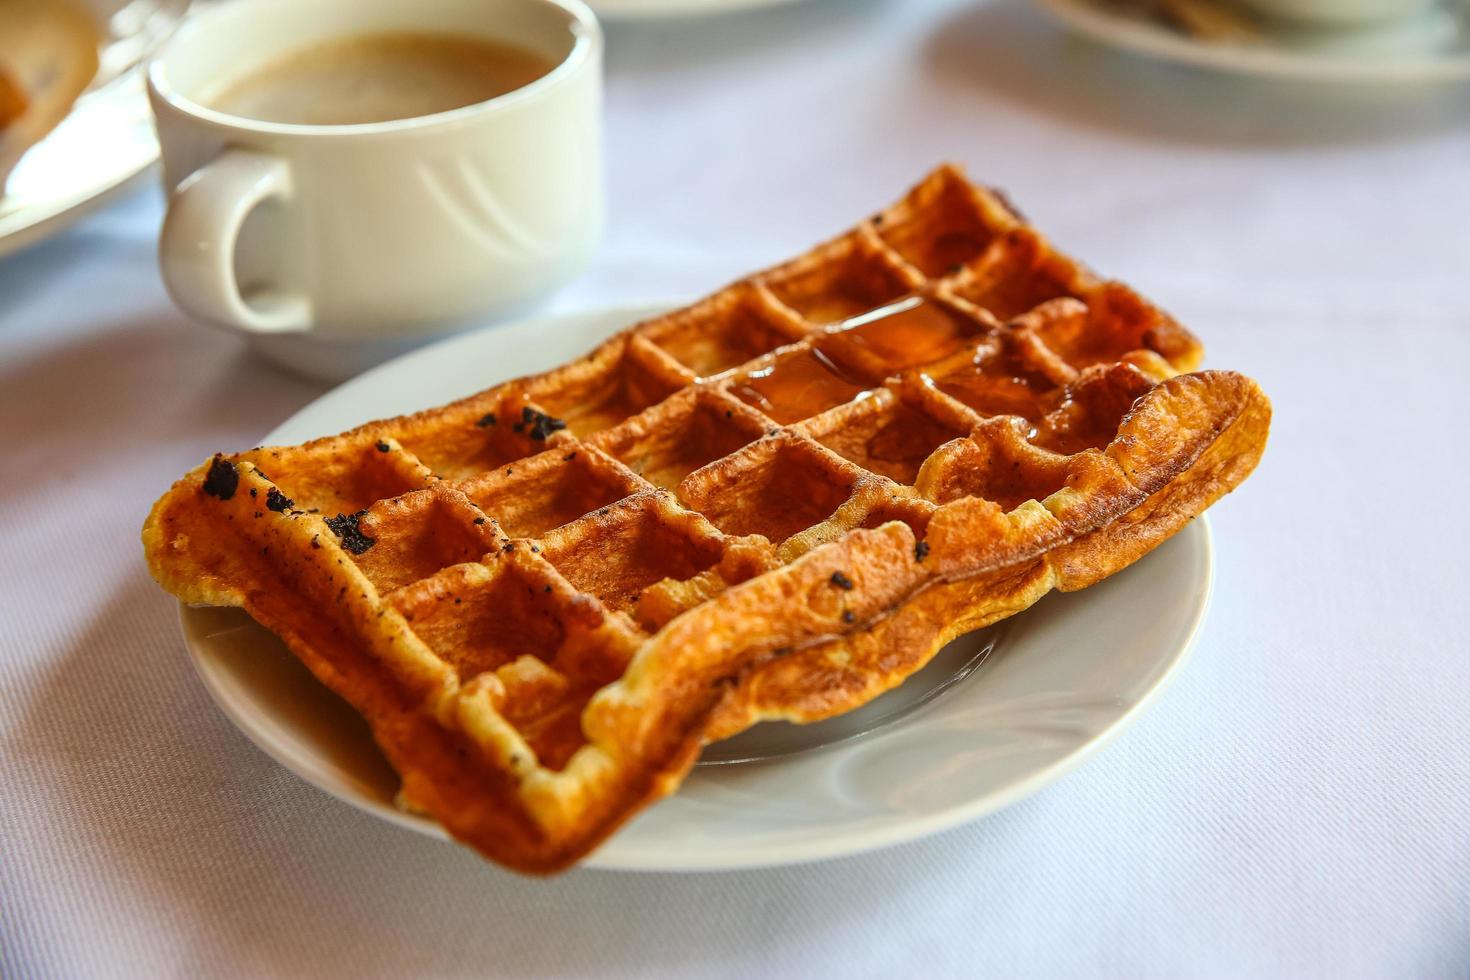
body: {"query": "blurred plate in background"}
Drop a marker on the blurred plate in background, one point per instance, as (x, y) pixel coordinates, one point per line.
(105, 142)
(1431, 48)
(651, 9)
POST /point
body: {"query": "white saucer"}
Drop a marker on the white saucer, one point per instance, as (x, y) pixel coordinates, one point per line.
(105, 144)
(1062, 679)
(1433, 48)
(660, 9)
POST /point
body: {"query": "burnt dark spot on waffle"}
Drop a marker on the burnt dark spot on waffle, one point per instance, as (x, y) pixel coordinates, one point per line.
(259, 514)
(877, 220)
(781, 652)
(254, 491)
(956, 267)
(542, 425)
(509, 471)
(569, 457)
(841, 581)
(383, 447)
(315, 542)
(222, 478)
(508, 546)
(479, 520)
(346, 527)
(921, 551)
(486, 420)
(546, 588)
(535, 550)
(277, 501)
(848, 616)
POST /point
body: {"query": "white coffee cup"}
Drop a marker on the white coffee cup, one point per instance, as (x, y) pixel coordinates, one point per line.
(335, 247)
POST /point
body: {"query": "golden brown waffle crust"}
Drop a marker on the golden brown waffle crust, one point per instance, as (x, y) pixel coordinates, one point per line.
(761, 612)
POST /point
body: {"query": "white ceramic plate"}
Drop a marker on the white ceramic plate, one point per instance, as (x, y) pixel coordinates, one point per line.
(105, 144)
(966, 736)
(1433, 48)
(660, 9)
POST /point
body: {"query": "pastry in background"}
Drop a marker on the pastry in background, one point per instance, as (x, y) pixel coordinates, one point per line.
(12, 99)
(48, 57)
(1208, 20)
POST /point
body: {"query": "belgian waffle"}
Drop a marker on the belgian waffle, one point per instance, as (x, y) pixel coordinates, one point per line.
(776, 503)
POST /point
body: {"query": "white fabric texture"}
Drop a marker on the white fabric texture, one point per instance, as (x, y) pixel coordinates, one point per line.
(1297, 805)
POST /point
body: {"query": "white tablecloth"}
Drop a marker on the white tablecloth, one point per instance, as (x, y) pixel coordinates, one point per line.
(1297, 805)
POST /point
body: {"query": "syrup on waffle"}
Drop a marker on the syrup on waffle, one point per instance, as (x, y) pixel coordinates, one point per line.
(776, 503)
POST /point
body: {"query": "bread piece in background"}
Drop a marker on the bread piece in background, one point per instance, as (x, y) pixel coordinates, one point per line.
(1208, 20)
(48, 57)
(12, 99)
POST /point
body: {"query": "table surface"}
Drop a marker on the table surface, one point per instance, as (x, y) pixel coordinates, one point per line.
(1298, 804)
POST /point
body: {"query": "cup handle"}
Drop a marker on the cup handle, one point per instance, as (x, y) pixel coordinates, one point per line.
(196, 250)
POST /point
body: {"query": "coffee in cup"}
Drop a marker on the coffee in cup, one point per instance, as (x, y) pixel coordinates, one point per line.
(377, 78)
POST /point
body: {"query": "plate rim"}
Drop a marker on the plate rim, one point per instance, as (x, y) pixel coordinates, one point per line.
(631, 857)
(38, 222)
(1275, 62)
(918, 828)
(634, 11)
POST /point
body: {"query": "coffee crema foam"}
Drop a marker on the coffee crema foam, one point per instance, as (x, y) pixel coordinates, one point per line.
(378, 77)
